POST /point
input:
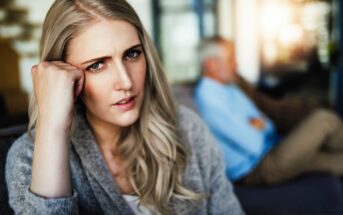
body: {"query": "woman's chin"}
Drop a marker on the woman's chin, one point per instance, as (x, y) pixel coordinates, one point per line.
(118, 119)
(127, 119)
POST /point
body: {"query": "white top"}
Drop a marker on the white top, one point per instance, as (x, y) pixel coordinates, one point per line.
(133, 203)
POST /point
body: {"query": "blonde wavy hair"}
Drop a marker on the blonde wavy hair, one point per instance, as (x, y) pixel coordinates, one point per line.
(157, 157)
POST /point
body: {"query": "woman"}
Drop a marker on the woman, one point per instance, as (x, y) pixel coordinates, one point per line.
(107, 138)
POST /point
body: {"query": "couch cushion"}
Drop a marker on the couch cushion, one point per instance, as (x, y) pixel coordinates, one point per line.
(7, 137)
(184, 95)
(315, 193)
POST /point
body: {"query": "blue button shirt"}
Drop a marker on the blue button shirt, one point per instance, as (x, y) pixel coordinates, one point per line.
(228, 111)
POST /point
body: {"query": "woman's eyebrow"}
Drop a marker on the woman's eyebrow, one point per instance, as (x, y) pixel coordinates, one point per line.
(104, 57)
(95, 59)
(134, 46)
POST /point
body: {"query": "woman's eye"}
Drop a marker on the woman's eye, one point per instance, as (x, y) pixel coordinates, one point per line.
(131, 55)
(95, 67)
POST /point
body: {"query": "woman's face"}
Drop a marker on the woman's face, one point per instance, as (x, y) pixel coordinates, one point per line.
(111, 56)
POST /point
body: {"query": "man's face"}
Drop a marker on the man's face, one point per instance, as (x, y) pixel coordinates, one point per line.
(227, 63)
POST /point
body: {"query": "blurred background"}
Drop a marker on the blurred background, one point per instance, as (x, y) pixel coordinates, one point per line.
(284, 47)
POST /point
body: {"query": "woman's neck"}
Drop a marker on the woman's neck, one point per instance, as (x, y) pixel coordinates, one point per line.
(105, 134)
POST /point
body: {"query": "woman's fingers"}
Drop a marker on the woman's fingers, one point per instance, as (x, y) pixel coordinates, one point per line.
(57, 85)
(34, 68)
(79, 85)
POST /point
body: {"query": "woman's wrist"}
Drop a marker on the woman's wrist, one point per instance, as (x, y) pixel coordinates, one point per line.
(53, 124)
(50, 167)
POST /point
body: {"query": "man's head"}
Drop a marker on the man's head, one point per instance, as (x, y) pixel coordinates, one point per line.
(218, 61)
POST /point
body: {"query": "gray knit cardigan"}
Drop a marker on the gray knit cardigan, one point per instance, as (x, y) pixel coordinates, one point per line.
(94, 191)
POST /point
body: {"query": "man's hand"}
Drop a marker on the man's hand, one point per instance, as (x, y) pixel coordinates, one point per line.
(257, 123)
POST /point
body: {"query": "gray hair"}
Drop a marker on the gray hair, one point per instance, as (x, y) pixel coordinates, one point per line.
(211, 47)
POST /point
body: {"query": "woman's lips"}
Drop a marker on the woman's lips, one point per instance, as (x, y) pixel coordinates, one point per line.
(125, 104)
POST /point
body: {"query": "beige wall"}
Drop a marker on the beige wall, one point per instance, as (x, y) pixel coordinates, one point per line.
(238, 20)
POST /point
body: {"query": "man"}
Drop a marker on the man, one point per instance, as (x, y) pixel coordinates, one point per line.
(254, 151)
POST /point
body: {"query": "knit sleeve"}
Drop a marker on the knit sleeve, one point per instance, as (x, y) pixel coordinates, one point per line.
(220, 196)
(222, 199)
(18, 178)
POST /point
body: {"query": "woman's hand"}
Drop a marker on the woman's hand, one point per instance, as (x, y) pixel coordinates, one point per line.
(56, 86)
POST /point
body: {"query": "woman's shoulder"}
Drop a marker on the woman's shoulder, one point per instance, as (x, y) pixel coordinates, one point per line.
(195, 130)
(26, 139)
(185, 114)
(189, 121)
(22, 148)
(204, 153)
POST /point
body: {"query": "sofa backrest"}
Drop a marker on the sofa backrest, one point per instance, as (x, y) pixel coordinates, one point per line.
(184, 95)
(7, 137)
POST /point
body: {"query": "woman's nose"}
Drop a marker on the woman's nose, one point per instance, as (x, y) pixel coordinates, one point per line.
(123, 80)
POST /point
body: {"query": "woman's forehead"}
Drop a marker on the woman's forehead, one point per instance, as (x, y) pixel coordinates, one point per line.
(102, 37)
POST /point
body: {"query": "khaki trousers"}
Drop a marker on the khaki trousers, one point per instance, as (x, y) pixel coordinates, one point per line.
(315, 145)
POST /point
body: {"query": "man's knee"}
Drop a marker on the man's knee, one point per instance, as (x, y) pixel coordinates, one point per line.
(270, 170)
(323, 113)
(325, 117)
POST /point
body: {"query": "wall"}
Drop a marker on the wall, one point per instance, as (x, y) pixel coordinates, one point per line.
(28, 49)
(246, 34)
(238, 20)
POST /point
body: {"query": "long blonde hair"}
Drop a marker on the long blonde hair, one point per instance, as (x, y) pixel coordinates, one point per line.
(157, 156)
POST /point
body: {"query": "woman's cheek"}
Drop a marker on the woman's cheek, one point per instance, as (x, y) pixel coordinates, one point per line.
(141, 68)
(90, 92)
